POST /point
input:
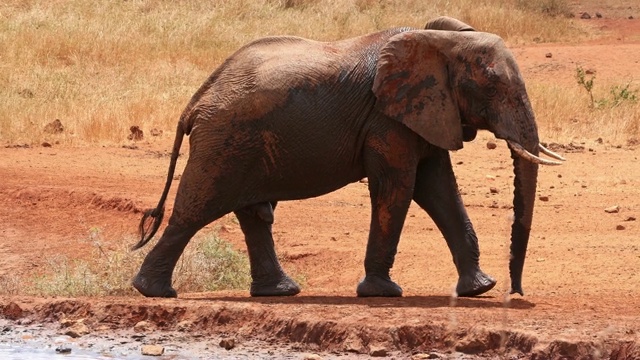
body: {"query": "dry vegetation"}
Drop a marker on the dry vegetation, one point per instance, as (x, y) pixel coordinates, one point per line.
(101, 67)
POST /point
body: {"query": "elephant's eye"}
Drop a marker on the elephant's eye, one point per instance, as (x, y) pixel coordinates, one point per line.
(491, 91)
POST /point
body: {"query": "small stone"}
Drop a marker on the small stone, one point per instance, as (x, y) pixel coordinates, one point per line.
(460, 163)
(378, 351)
(630, 218)
(543, 198)
(548, 55)
(63, 350)
(589, 72)
(184, 325)
(612, 209)
(494, 190)
(491, 145)
(46, 144)
(152, 350)
(620, 227)
(585, 16)
(432, 355)
(228, 343)
(26, 93)
(136, 133)
(598, 15)
(364, 180)
(142, 326)
(77, 330)
(54, 127)
(312, 357)
(353, 344)
(12, 311)
(630, 17)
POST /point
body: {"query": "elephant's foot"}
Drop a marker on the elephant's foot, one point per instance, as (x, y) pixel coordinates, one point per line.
(153, 288)
(373, 285)
(285, 286)
(478, 283)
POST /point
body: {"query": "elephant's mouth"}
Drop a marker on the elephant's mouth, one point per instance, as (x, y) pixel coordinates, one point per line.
(523, 153)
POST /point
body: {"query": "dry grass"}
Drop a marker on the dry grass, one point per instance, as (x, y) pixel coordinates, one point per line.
(102, 66)
(208, 264)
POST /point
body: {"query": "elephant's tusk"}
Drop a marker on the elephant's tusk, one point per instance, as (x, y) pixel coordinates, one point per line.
(529, 156)
(550, 153)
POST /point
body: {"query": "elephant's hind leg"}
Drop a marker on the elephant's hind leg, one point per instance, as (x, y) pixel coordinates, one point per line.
(268, 277)
(155, 275)
(437, 192)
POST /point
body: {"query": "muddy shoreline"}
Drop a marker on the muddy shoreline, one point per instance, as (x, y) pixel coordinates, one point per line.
(194, 328)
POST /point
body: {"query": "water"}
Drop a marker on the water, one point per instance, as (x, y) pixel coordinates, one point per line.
(13, 352)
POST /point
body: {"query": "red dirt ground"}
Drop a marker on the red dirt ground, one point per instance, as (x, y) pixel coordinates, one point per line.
(581, 278)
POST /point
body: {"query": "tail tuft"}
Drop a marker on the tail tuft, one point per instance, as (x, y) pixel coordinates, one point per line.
(146, 233)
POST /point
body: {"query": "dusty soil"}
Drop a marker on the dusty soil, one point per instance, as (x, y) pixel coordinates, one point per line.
(581, 278)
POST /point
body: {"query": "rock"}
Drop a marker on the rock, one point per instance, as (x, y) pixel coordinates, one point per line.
(588, 72)
(431, 355)
(12, 311)
(228, 343)
(378, 351)
(630, 17)
(585, 15)
(26, 93)
(143, 326)
(312, 357)
(598, 15)
(136, 133)
(494, 190)
(54, 127)
(491, 145)
(63, 350)
(77, 330)
(152, 350)
(184, 325)
(353, 344)
(620, 227)
(612, 209)
(630, 218)
(364, 180)
(548, 55)
(543, 198)
(46, 144)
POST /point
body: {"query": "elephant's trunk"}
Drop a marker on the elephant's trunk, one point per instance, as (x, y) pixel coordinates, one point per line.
(526, 174)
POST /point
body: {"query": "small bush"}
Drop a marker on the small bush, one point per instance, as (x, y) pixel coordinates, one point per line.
(208, 264)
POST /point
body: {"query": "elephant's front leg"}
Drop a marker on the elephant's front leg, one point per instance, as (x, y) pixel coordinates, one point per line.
(437, 192)
(391, 173)
(268, 278)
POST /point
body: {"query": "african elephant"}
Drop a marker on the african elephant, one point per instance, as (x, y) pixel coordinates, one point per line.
(287, 118)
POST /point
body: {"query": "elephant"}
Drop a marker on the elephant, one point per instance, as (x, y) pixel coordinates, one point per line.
(287, 118)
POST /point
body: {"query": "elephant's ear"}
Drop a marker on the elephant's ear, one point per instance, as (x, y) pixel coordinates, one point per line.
(447, 23)
(412, 86)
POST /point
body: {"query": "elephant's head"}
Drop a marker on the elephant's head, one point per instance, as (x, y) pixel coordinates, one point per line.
(439, 82)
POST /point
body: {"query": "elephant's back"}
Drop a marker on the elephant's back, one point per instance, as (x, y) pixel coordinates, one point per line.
(262, 75)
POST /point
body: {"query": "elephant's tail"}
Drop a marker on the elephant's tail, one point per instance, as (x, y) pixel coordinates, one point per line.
(146, 231)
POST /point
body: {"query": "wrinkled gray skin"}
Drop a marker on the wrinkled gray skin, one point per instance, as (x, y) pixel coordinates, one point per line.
(287, 118)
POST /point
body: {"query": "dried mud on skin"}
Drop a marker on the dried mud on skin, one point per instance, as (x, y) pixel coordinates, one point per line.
(246, 321)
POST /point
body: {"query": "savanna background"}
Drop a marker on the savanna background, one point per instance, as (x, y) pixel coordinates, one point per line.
(76, 76)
